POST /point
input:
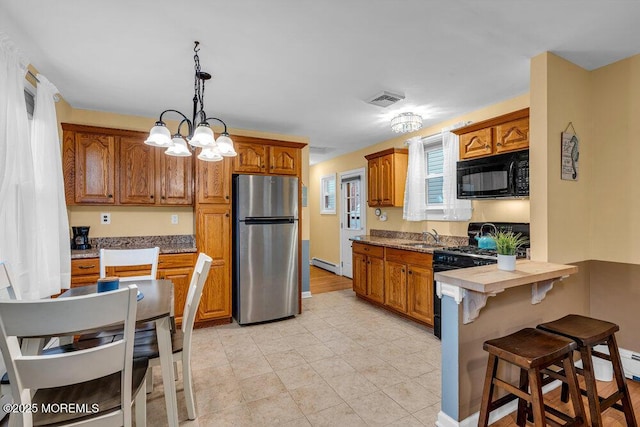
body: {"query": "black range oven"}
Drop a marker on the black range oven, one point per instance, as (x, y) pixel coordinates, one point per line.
(469, 256)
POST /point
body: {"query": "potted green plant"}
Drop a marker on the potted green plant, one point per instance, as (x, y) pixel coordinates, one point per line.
(507, 244)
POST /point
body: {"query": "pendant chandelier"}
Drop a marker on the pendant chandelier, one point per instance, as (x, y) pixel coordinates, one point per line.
(406, 122)
(199, 133)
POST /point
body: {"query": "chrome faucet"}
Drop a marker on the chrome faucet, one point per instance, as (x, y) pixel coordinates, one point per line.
(434, 235)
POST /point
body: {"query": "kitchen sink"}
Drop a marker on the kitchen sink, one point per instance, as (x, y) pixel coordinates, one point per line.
(422, 245)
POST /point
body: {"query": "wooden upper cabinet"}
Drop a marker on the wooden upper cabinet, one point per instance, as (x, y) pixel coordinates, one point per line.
(213, 181)
(476, 144)
(284, 160)
(95, 171)
(107, 166)
(266, 156)
(509, 132)
(174, 176)
(137, 172)
(251, 158)
(513, 135)
(387, 177)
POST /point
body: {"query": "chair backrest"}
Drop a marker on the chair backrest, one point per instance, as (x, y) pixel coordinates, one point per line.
(7, 291)
(66, 316)
(199, 277)
(129, 257)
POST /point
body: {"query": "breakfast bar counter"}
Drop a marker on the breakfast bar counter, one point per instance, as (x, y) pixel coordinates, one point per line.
(482, 303)
(473, 286)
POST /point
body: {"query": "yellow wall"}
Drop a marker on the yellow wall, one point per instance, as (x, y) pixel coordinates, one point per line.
(560, 214)
(615, 229)
(593, 217)
(144, 221)
(325, 229)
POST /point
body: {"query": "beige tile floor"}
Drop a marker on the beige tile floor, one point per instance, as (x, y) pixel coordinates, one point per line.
(342, 362)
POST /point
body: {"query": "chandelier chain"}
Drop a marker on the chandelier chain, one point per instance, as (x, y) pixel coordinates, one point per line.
(198, 85)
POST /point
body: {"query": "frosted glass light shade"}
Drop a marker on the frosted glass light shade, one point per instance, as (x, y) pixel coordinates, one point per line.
(210, 155)
(179, 148)
(203, 136)
(406, 122)
(225, 146)
(159, 136)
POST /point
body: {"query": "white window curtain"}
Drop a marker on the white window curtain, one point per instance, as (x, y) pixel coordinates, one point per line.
(54, 253)
(415, 208)
(18, 241)
(454, 209)
(34, 237)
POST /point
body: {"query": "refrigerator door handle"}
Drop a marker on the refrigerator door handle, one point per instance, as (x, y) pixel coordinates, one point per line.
(265, 221)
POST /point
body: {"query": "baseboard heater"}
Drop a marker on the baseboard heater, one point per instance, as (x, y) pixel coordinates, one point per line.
(630, 364)
(325, 265)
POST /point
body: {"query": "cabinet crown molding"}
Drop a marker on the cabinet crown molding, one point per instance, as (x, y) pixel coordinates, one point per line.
(519, 114)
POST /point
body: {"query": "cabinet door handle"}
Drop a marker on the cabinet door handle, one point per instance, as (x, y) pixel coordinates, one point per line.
(162, 197)
(403, 270)
(368, 262)
(110, 196)
(410, 272)
(151, 197)
(86, 267)
(271, 166)
(262, 166)
(226, 197)
(499, 144)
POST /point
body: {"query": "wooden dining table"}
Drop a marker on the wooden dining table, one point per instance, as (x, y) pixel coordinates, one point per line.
(156, 305)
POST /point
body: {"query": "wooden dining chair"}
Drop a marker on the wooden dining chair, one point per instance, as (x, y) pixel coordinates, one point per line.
(130, 257)
(98, 382)
(146, 342)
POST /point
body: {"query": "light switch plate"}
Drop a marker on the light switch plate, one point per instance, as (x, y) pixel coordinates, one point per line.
(105, 218)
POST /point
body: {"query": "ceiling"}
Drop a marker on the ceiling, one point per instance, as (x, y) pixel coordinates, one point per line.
(307, 67)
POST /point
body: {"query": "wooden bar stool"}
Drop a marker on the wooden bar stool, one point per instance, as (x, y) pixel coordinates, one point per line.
(533, 351)
(587, 333)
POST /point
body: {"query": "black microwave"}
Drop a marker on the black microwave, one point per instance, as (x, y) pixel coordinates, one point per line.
(494, 177)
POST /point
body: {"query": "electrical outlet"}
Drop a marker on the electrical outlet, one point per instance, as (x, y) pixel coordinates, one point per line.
(174, 219)
(105, 218)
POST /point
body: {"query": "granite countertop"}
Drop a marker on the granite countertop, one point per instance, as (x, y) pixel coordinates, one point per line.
(408, 241)
(175, 244)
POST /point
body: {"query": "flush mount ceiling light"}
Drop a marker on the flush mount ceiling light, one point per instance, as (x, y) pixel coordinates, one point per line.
(199, 132)
(406, 122)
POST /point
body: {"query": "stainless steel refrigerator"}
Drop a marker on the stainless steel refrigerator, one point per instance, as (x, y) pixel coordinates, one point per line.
(265, 245)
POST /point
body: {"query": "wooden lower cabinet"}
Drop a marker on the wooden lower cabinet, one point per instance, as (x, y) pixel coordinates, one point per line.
(213, 223)
(368, 271)
(395, 285)
(399, 280)
(420, 293)
(175, 267)
(84, 271)
(178, 268)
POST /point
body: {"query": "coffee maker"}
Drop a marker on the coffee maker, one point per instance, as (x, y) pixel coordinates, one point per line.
(80, 238)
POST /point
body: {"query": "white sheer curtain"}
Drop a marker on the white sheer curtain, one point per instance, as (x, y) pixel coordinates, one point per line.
(454, 209)
(415, 208)
(54, 253)
(18, 241)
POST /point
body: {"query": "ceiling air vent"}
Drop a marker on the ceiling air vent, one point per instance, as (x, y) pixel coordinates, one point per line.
(384, 99)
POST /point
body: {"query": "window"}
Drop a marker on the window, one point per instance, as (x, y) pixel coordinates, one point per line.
(351, 200)
(434, 177)
(328, 194)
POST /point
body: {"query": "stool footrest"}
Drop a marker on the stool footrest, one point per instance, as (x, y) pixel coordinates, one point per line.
(512, 389)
